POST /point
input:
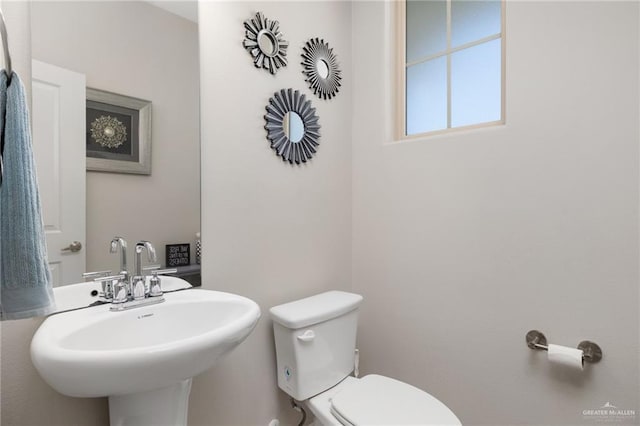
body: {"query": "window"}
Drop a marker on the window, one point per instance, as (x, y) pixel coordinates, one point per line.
(452, 64)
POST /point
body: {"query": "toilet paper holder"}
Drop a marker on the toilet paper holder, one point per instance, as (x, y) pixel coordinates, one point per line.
(591, 352)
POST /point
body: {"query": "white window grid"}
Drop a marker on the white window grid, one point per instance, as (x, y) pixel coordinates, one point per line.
(402, 37)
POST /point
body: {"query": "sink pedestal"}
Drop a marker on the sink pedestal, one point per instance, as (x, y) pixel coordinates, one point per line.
(159, 407)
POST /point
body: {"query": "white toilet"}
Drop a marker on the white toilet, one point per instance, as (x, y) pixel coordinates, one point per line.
(315, 349)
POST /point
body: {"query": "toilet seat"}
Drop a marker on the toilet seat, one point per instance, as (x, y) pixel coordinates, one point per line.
(380, 400)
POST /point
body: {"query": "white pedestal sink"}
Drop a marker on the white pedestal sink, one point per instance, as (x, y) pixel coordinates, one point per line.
(143, 359)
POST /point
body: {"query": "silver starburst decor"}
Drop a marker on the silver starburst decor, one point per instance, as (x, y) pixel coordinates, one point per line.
(108, 131)
(293, 145)
(263, 40)
(320, 65)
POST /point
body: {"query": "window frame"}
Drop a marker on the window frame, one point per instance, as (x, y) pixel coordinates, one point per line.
(401, 72)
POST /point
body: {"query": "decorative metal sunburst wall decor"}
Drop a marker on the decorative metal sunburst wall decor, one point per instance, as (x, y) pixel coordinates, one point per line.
(320, 65)
(292, 148)
(264, 42)
(109, 132)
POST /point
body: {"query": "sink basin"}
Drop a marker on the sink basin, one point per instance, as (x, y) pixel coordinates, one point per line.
(95, 352)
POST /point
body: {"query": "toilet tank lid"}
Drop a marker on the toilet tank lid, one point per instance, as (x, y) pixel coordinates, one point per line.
(315, 309)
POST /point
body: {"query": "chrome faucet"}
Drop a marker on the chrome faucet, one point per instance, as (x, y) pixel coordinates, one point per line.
(151, 255)
(138, 285)
(125, 291)
(122, 244)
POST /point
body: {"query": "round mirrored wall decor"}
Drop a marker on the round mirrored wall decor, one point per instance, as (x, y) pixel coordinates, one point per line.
(292, 126)
(320, 65)
(263, 40)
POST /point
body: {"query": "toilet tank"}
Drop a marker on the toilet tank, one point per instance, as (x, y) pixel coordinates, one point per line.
(315, 342)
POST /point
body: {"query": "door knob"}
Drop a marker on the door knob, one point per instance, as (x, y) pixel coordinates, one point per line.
(73, 247)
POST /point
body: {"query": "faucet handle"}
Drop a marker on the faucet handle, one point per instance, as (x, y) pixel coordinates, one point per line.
(164, 271)
(155, 288)
(107, 285)
(118, 277)
(91, 275)
(151, 267)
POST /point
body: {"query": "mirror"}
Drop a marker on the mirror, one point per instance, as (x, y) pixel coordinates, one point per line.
(320, 65)
(322, 68)
(292, 126)
(265, 43)
(139, 50)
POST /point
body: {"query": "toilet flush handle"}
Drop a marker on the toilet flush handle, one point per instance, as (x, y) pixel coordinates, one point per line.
(307, 336)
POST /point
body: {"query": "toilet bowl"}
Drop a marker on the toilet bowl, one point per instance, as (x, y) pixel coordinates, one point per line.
(315, 352)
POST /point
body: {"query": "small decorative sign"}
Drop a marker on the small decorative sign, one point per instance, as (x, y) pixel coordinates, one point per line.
(178, 255)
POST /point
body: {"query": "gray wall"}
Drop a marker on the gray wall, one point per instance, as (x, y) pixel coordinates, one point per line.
(139, 50)
(272, 231)
(464, 242)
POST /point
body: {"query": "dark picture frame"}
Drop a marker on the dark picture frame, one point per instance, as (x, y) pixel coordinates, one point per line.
(177, 255)
(118, 133)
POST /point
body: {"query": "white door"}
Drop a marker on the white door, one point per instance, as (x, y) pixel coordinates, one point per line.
(58, 117)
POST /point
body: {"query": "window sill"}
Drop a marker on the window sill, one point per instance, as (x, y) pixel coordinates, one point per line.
(446, 132)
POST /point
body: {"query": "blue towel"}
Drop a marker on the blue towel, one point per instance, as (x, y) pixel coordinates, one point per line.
(25, 280)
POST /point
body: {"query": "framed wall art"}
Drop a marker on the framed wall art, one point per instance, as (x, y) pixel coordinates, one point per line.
(178, 255)
(118, 133)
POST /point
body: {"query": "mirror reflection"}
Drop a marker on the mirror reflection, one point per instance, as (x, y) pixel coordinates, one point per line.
(267, 43)
(134, 49)
(293, 126)
(322, 68)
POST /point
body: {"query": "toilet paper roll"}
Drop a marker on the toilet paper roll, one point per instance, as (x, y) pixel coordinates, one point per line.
(563, 355)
